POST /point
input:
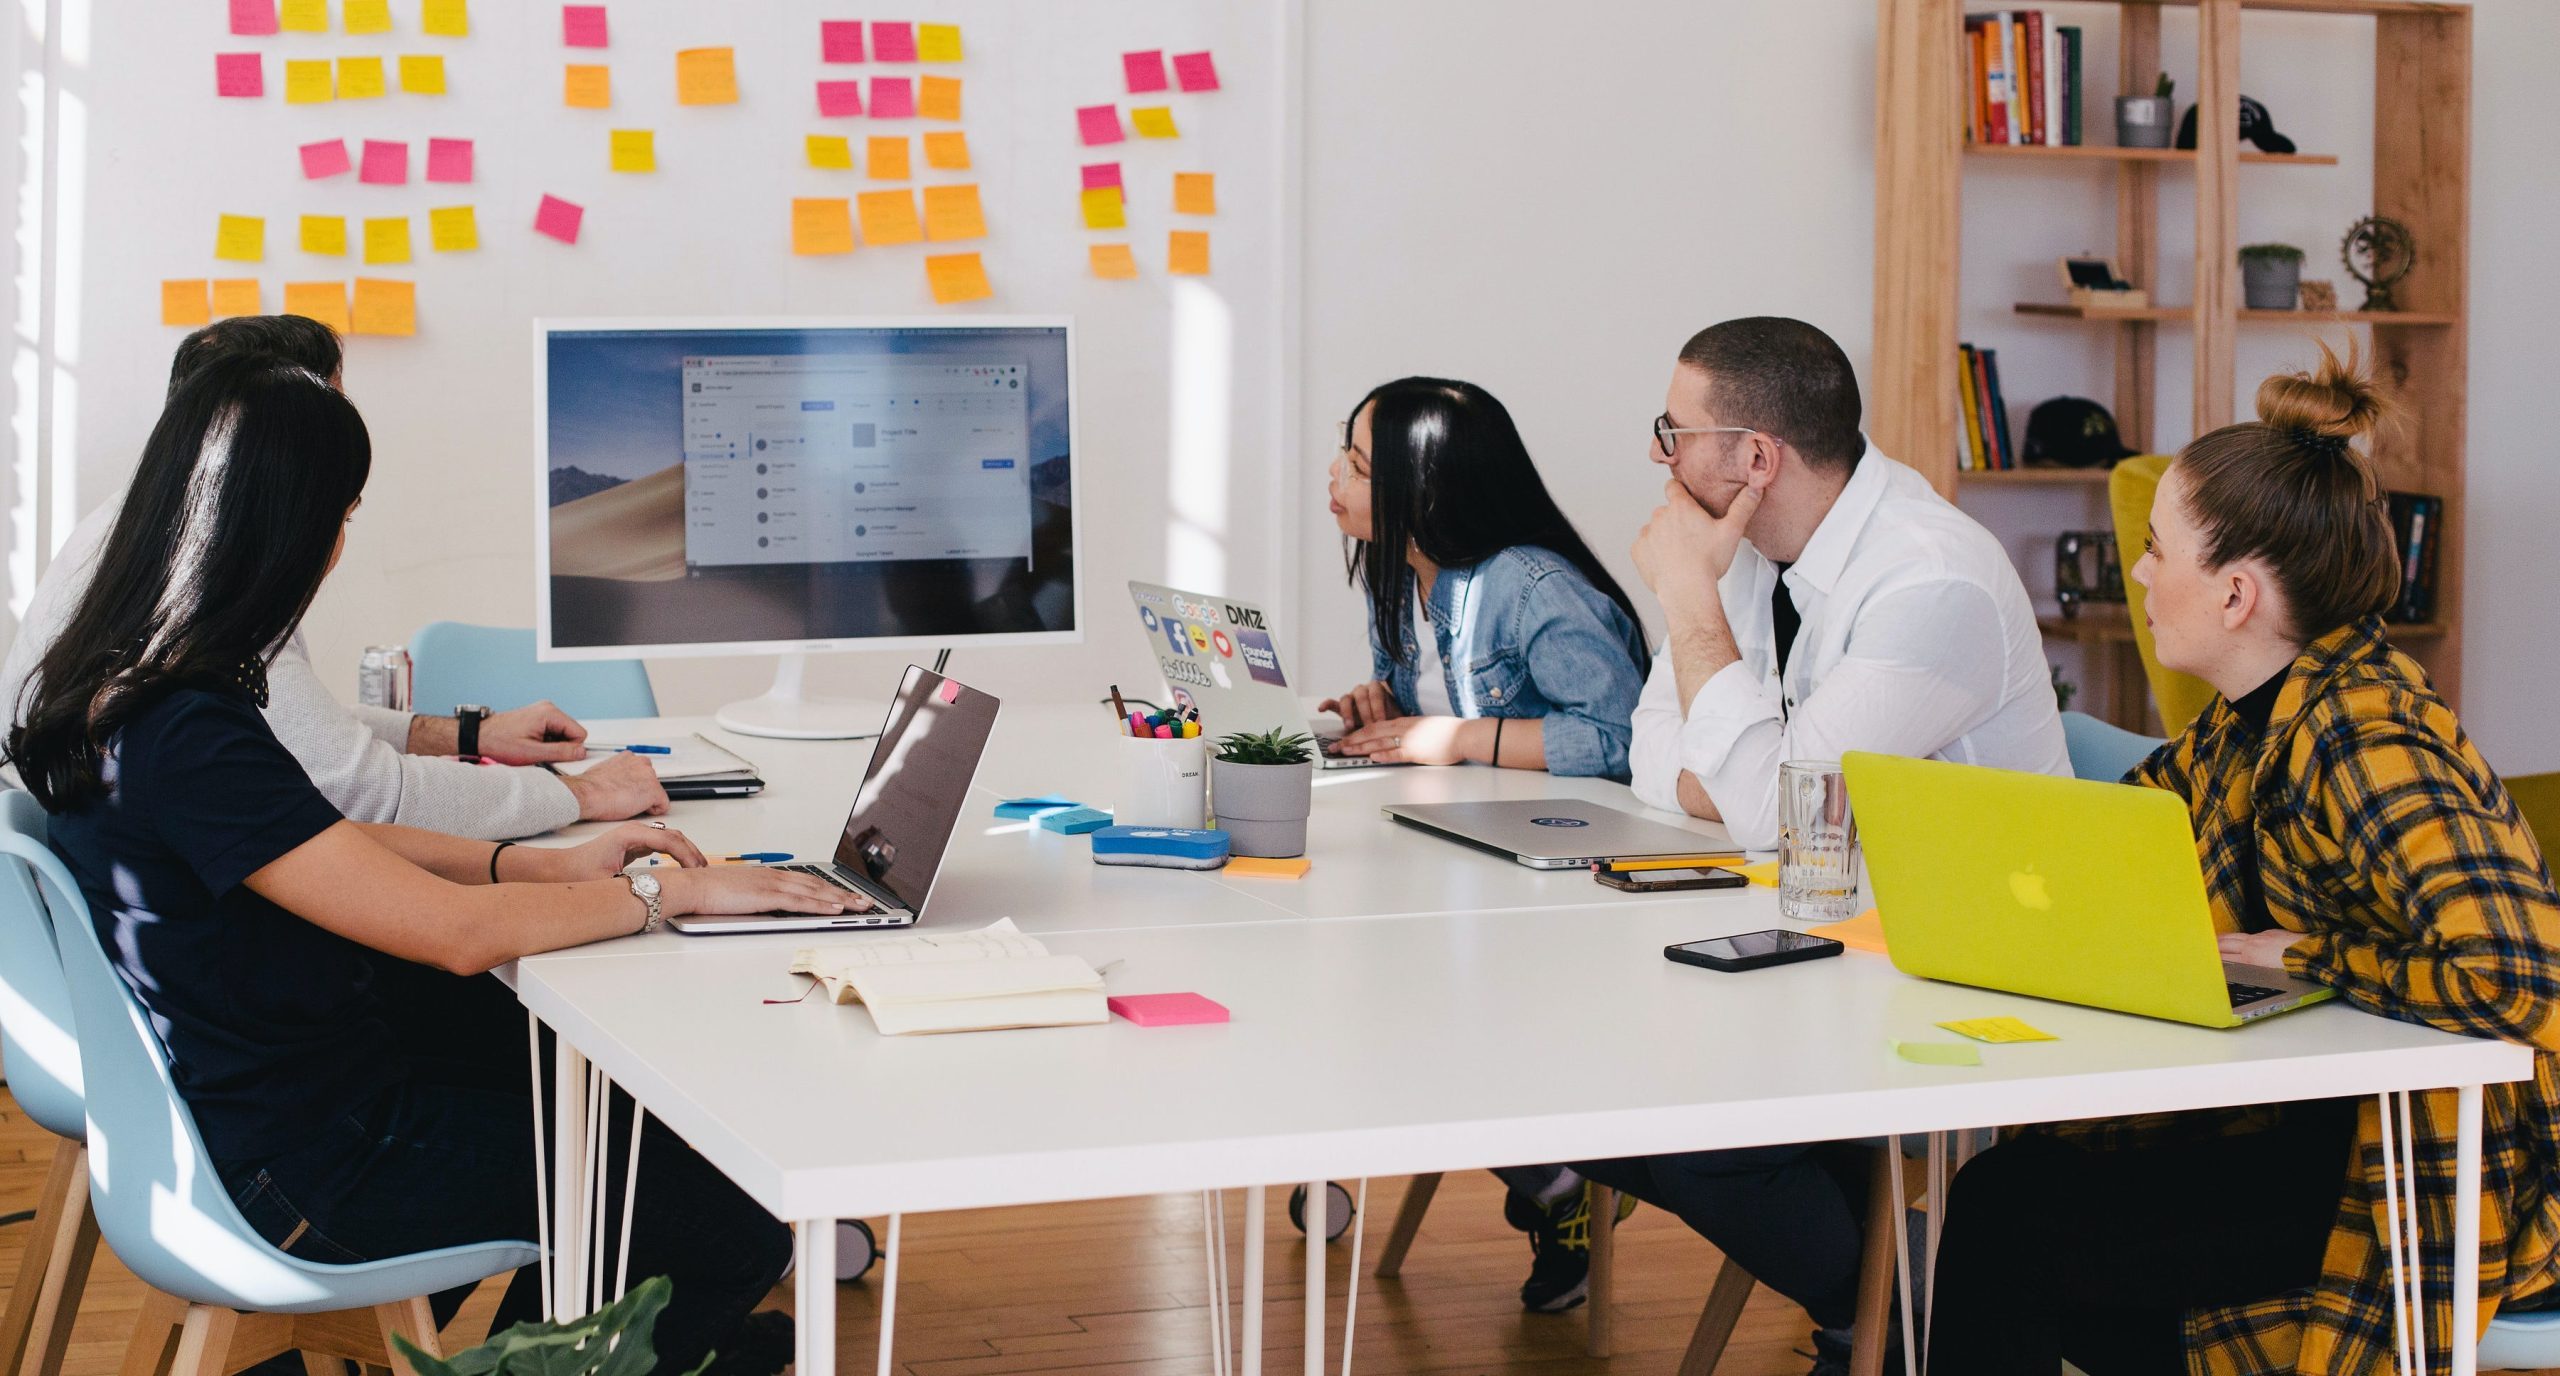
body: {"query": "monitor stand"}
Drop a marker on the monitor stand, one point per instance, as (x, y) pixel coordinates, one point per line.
(784, 712)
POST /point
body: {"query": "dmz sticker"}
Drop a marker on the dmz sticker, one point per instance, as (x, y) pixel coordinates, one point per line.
(1261, 657)
(1559, 821)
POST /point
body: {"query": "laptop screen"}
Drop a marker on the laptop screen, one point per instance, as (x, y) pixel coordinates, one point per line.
(918, 781)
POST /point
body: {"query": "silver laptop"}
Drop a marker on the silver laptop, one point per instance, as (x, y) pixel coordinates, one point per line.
(903, 815)
(1221, 656)
(1558, 833)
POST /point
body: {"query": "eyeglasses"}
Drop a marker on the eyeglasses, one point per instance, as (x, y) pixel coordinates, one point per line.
(1668, 435)
(1361, 468)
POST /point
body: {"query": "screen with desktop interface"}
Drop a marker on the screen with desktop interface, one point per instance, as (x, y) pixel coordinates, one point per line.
(719, 486)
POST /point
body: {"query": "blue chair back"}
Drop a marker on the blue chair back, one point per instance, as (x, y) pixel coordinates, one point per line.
(36, 1037)
(2521, 1342)
(2103, 751)
(494, 666)
(156, 1196)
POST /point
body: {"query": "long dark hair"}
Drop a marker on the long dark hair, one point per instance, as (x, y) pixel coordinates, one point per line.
(221, 545)
(1449, 474)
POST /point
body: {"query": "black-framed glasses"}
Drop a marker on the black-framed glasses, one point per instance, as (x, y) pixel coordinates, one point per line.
(1360, 469)
(1668, 435)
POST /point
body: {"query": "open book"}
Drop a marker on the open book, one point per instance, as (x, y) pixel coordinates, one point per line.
(978, 981)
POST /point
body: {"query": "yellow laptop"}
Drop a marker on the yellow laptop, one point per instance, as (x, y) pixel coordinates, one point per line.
(2081, 892)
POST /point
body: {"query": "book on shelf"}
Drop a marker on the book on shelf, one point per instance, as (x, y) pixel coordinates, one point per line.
(2417, 528)
(2022, 79)
(1984, 437)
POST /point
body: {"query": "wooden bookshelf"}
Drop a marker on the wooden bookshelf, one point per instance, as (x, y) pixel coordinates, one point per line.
(2421, 177)
(2034, 477)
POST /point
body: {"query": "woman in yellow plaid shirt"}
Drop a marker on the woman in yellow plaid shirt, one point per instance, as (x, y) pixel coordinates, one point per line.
(2350, 832)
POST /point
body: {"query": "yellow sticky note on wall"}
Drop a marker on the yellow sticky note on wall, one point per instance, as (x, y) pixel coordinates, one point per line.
(887, 156)
(586, 86)
(360, 78)
(368, 16)
(183, 302)
(422, 74)
(635, 150)
(453, 229)
(445, 18)
(240, 239)
(1187, 253)
(889, 217)
(957, 277)
(834, 152)
(821, 225)
(953, 212)
(947, 151)
(386, 240)
(325, 302)
(1113, 261)
(938, 97)
(324, 234)
(706, 76)
(384, 306)
(1154, 122)
(303, 16)
(236, 296)
(307, 81)
(1105, 208)
(938, 43)
(1195, 193)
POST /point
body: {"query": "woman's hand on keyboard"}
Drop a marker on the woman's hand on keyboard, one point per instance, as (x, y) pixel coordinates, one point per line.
(741, 889)
(2265, 948)
(603, 857)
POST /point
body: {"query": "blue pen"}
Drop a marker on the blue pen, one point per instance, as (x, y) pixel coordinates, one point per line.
(757, 857)
(648, 749)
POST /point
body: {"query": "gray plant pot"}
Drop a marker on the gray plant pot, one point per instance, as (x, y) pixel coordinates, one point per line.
(2145, 121)
(2271, 284)
(1263, 807)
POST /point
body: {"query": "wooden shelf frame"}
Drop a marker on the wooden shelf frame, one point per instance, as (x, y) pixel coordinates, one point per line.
(2184, 314)
(2094, 152)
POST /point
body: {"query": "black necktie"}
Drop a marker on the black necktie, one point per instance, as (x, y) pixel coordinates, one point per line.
(1782, 606)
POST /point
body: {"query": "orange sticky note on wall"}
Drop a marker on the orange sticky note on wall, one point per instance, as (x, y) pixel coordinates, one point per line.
(938, 97)
(183, 302)
(384, 306)
(833, 152)
(586, 86)
(957, 277)
(308, 81)
(952, 212)
(821, 225)
(887, 155)
(889, 217)
(1195, 193)
(947, 151)
(706, 76)
(1187, 253)
(1105, 208)
(324, 234)
(325, 302)
(236, 296)
(240, 239)
(1113, 261)
(386, 239)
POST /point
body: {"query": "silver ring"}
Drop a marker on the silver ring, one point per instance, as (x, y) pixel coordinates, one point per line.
(1395, 742)
(658, 826)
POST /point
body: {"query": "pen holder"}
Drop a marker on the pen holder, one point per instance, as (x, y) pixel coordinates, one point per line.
(1163, 783)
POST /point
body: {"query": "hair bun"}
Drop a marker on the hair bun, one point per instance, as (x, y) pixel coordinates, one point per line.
(2333, 405)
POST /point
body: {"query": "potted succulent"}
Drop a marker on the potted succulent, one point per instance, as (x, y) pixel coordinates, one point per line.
(2143, 121)
(2270, 276)
(1262, 786)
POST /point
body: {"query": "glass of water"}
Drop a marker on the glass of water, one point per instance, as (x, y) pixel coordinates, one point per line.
(1817, 843)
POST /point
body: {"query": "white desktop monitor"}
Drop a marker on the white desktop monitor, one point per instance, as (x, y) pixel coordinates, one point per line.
(723, 486)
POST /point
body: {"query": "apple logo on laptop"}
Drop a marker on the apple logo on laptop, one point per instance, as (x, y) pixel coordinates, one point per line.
(1559, 821)
(2028, 888)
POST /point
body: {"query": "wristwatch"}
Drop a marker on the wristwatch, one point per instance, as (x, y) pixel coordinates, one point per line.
(466, 735)
(645, 886)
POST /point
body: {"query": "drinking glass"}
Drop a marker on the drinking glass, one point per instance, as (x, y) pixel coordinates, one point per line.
(1817, 843)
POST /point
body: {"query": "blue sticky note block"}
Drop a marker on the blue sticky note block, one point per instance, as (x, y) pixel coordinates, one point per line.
(1075, 821)
(1018, 808)
(1173, 848)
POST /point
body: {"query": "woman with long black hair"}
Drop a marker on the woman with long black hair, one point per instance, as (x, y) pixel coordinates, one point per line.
(250, 918)
(1527, 654)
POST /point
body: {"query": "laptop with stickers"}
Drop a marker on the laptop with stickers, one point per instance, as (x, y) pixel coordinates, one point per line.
(1220, 655)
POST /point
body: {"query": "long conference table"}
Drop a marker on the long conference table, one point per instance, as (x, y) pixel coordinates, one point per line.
(1409, 1006)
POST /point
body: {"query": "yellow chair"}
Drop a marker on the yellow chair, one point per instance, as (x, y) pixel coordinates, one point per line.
(2538, 798)
(2129, 491)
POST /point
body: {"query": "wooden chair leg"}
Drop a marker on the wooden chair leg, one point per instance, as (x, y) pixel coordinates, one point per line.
(204, 1341)
(1715, 1322)
(155, 1335)
(411, 1319)
(53, 1268)
(1875, 1269)
(322, 1364)
(1417, 1202)
(1604, 1270)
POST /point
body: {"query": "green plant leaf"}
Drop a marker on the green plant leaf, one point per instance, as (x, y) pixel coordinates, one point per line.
(1276, 746)
(613, 1341)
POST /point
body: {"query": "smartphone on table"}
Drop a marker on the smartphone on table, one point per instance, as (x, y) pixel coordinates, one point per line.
(1752, 950)
(1668, 881)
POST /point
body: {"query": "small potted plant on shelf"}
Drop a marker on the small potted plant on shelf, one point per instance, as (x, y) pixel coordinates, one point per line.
(2270, 276)
(2143, 121)
(1262, 786)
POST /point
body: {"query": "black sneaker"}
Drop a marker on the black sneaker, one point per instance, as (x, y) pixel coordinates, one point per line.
(763, 1345)
(1830, 1355)
(1560, 1249)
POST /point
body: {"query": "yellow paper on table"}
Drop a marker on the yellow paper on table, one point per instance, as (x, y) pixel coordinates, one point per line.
(308, 81)
(386, 240)
(1154, 122)
(938, 43)
(303, 16)
(586, 86)
(240, 239)
(706, 76)
(1115, 262)
(957, 277)
(938, 97)
(833, 152)
(360, 78)
(422, 74)
(1186, 253)
(1105, 208)
(445, 18)
(453, 229)
(324, 234)
(1865, 932)
(1195, 193)
(635, 150)
(947, 151)
(887, 156)
(889, 217)
(952, 212)
(183, 302)
(1998, 1030)
(1764, 874)
(1937, 1053)
(325, 302)
(368, 16)
(821, 225)
(384, 306)
(236, 296)
(1253, 867)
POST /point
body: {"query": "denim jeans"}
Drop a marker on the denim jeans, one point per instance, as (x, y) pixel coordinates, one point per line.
(1791, 1215)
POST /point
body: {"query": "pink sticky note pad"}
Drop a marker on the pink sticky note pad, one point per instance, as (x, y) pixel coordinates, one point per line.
(893, 41)
(893, 97)
(1196, 71)
(949, 691)
(559, 219)
(386, 163)
(583, 26)
(253, 17)
(839, 98)
(1101, 174)
(238, 74)
(1100, 124)
(327, 158)
(1167, 1010)
(448, 160)
(840, 40)
(1145, 71)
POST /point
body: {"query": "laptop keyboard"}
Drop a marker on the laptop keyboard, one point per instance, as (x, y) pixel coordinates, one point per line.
(829, 875)
(2243, 995)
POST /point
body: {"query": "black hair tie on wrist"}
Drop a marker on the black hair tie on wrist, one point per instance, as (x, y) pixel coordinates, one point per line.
(493, 860)
(1497, 742)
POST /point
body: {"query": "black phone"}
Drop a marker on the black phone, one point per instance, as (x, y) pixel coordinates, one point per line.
(1668, 881)
(1752, 950)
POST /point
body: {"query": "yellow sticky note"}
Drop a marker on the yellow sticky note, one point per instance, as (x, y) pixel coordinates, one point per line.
(952, 212)
(325, 302)
(324, 234)
(887, 155)
(184, 302)
(445, 18)
(957, 277)
(1764, 874)
(1865, 932)
(938, 43)
(307, 81)
(1195, 193)
(938, 97)
(706, 76)
(1937, 1053)
(360, 78)
(384, 306)
(834, 151)
(1154, 122)
(386, 240)
(368, 16)
(635, 150)
(1186, 253)
(586, 86)
(453, 229)
(947, 151)
(240, 239)
(422, 74)
(1116, 262)
(1105, 208)
(889, 217)
(1253, 867)
(821, 225)
(1997, 1030)
(236, 296)
(303, 16)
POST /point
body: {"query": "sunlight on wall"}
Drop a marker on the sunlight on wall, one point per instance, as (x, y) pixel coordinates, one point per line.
(42, 490)
(1203, 359)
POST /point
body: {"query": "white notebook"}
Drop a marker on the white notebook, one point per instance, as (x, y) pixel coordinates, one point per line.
(979, 981)
(692, 756)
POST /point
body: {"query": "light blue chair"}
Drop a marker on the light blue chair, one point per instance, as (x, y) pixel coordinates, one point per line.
(493, 666)
(2101, 750)
(43, 1057)
(160, 1205)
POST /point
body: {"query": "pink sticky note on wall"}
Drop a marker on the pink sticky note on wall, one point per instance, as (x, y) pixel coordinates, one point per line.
(1167, 1010)
(840, 40)
(949, 691)
(1196, 71)
(1100, 124)
(253, 17)
(386, 163)
(327, 158)
(1145, 70)
(239, 74)
(583, 26)
(839, 98)
(893, 41)
(1101, 174)
(559, 219)
(893, 97)
(448, 160)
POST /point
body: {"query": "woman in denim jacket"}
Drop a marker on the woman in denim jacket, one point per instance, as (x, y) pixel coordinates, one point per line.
(1529, 655)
